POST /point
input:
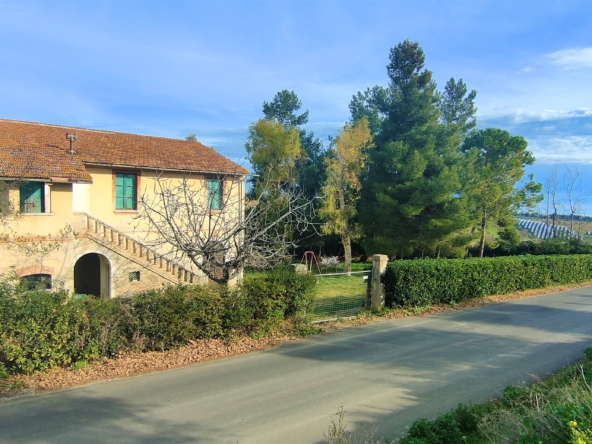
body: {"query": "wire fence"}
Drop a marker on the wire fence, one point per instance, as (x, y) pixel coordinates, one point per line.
(341, 295)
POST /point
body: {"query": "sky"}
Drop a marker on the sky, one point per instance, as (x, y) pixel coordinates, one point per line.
(172, 68)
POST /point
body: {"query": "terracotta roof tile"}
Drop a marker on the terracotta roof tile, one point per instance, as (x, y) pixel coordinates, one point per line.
(36, 150)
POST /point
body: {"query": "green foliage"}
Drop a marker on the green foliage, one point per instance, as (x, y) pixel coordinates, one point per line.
(454, 427)
(341, 189)
(42, 329)
(283, 108)
(309, 166)
(412, 197)
(497, 165)
(557, 410)
(293, 294)
(428, 281)
(273, 150)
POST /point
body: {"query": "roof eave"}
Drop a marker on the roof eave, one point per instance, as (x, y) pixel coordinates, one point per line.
(44, 179)
(176, 170)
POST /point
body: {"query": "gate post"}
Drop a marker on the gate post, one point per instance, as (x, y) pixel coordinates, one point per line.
(379, 262)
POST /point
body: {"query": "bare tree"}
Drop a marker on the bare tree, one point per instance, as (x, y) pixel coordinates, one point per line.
(218, 231)
(553, 202)
(575, 192)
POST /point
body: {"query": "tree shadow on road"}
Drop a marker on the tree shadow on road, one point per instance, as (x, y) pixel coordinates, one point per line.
(92, 419)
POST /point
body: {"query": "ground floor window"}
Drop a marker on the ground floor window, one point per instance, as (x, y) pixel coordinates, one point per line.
(39, 281)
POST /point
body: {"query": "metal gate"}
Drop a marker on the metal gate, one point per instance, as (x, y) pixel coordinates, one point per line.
(342, 295)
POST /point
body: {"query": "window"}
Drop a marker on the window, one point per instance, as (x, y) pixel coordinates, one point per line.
(134, 276)
(34, 282)
(126, 186)
(32, 197)
(214, 188)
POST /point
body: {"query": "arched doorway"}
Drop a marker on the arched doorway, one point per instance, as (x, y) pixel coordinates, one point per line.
(92, 275)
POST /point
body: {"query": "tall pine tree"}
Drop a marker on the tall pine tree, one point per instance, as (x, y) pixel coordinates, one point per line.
(412, 198)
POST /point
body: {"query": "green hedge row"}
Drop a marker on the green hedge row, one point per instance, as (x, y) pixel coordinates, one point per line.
(429, 281)
(40, 329)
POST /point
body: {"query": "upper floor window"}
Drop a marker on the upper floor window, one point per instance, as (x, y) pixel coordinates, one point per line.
(214, 189)
(126, 188)
(32, 197)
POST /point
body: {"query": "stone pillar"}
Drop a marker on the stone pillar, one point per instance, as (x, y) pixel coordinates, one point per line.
(379, 262)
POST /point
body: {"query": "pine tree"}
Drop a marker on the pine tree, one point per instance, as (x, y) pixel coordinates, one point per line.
(412, 199)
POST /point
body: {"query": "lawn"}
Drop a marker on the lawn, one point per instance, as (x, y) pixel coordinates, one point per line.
(340, 296)
(332, 286)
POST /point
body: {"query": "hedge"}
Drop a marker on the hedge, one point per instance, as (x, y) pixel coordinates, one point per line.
(41, 329)
(429, 281)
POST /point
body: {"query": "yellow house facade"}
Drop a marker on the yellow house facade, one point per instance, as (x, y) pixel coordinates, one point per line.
(71, 205)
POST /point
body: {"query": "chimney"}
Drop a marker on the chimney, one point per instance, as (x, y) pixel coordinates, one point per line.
(71, 138)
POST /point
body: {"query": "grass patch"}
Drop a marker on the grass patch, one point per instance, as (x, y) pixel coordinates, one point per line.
(340, 296)
(329, 286)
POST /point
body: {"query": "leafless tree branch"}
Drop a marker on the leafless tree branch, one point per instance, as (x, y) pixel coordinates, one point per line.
(184, 224)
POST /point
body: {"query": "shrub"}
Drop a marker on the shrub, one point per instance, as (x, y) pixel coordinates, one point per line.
(450, 428)
(279, 295)
(41, 329)
(428, 281)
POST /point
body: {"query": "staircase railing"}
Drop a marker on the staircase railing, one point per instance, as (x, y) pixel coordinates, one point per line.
(102, 230)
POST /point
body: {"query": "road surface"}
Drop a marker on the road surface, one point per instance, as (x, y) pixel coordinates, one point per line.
(390, 372)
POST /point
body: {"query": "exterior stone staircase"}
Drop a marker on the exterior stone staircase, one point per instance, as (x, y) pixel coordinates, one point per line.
(134, 251)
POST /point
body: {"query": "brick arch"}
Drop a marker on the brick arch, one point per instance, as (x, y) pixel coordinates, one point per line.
(33, 269)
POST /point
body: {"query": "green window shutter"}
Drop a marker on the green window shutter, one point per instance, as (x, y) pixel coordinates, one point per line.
(125, 191)
(32, 197)
(214, 194)
(119, 192)
(130, 191)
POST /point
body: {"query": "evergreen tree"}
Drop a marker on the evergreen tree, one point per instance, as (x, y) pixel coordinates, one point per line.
(412, 198)
(498, 161)
(283, 107)
(310, 167)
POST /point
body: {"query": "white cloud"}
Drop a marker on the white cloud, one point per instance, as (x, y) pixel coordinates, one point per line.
(557, 150)
(519, 115)
(572, 58)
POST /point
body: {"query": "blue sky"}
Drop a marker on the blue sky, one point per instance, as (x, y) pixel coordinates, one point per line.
(171, 68)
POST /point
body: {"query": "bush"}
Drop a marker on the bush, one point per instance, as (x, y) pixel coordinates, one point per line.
(429, 281)
(41, 329)
(279, 295)
(453, 427)
(538, 248)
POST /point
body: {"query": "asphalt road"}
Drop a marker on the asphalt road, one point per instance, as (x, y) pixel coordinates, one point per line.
(389, 373)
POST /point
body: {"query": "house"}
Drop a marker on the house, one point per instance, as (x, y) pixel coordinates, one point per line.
(77, 195)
